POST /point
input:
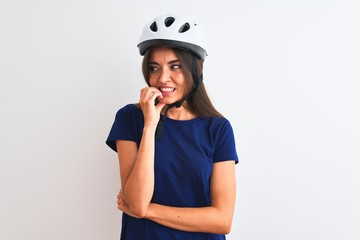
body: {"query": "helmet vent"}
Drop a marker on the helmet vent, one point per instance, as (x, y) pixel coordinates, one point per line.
(169, 21)
(154, 27)
(184, 28)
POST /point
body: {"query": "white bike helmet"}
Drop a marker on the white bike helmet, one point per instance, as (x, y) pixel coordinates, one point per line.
(175, 31)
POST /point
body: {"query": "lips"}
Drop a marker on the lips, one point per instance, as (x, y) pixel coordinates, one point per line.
(167, 89)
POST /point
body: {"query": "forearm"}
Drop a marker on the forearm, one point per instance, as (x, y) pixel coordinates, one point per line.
(139, 186)
(203, 219)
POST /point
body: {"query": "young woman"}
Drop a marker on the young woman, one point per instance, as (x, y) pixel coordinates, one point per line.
(176, 152)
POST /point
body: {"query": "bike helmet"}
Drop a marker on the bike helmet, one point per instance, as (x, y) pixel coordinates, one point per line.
(175, 31)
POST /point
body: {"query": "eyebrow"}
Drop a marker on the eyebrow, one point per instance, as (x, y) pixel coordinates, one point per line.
(171, 62)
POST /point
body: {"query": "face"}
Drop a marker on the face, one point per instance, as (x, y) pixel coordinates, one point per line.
(165, 74)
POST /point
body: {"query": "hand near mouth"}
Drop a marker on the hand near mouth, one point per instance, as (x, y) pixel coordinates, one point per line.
(151, 111)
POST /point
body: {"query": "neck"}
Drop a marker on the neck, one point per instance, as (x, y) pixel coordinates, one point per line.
(181, 113)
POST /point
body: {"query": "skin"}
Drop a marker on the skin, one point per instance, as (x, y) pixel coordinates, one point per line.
(137, 164)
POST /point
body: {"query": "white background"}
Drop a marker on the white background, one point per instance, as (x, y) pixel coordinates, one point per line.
(285, 73)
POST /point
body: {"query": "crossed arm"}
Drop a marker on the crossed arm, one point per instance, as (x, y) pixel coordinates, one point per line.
(137, 184)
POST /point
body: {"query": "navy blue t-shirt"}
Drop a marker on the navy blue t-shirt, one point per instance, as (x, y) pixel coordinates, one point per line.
(184, 158)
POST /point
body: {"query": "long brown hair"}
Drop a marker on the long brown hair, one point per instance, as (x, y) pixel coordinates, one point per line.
(199, 102)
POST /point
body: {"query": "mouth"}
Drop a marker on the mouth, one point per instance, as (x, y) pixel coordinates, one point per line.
(167, 89)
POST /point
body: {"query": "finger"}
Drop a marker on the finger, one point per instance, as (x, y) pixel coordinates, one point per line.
(146, 93)
(149, 89)
(155, 95)
(142, 93)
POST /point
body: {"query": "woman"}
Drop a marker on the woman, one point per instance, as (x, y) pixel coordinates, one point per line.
(176, 151)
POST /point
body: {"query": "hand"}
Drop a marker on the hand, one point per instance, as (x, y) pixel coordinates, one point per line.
(148, 95)
(122, 205)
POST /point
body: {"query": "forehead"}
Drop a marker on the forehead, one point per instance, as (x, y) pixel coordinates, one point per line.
(162, 54)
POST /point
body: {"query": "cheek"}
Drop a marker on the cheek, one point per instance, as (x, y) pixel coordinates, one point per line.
(181, 82)
(152, 81)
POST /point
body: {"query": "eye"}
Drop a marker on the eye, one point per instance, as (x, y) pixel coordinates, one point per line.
(153, 68)
(175, 66)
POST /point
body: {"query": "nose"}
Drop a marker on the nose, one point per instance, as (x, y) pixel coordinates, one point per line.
(165, 75)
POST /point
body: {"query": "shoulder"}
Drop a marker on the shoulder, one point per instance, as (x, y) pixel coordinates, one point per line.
(215, 126)
(129, 115)
(219, 122)
(131, 107)
(128, 125)
(220, 128)
(224, 139)
(129, 110)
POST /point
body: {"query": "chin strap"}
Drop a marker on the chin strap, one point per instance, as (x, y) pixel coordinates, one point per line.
(197, 82)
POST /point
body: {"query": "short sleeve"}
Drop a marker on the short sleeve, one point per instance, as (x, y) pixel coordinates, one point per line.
(127, 126)
(225, 148)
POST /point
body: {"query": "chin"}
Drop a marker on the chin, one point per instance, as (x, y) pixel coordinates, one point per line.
(167, 101)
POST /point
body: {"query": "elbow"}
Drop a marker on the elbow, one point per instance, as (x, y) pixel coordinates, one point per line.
(134, 206)
(227, 228)
(224, 226)
(138, 210)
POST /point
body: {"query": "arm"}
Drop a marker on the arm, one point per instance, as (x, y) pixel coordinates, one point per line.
(137, 165)
(216, 218)
(137, 173)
